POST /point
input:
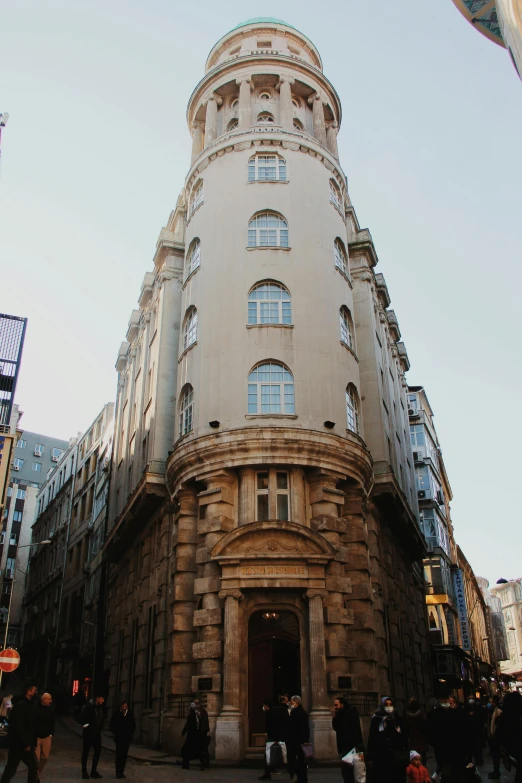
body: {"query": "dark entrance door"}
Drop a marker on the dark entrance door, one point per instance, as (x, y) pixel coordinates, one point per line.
(274, 663)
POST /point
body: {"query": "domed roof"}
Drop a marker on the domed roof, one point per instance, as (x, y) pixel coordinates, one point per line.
(263, 20)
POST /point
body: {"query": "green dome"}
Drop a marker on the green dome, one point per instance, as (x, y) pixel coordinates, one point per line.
(262, 20)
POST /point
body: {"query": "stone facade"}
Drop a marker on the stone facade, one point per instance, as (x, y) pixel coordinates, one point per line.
(263, 498)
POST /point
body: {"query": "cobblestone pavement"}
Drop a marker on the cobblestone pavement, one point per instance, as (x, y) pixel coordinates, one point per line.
(64, 767)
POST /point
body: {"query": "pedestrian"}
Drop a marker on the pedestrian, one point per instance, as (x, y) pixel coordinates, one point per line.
(193, 745)
(477, 717)
(268, 711)
(204, 725)
(347, 727)
(7, 705)
(387, 754)
(446, 731)
(415, 720)
(44, 723)
(495, 712)
(285, 699)
(123, 727)
(416, 772)
(509, 730)
(298, 735)
(92, 717)
(22, 738)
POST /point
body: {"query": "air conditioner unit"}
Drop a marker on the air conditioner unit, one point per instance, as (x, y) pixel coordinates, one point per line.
(411, 412)
(421, 494)
(8, 573)
(54, 459)
(16, 467)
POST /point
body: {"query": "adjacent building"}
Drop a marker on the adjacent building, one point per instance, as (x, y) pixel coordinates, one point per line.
(510, 594)
(496, 622)
(498, 20)
(64, 580)
(263, 523)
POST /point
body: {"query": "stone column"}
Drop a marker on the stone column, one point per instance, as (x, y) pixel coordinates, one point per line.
(316, 102)
(229, 726)
(323, 738)
(286, 111)
(247, 478)
(185, 539)
(197, 138)
(331, 138)
(245, 107)
(211, 118)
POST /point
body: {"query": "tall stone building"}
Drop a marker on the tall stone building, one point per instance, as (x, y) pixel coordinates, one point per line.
(263, 531)
(498, 20)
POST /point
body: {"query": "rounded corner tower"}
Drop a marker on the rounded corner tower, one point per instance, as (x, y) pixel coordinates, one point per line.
(269, 457)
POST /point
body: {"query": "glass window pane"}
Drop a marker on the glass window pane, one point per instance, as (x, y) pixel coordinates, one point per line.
(262, 508)
(282, 508)
(282, 480)
(262, 480)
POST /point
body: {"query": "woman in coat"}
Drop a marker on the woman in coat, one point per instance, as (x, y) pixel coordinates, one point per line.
(415, 720)
(387, 753)
(194, 745)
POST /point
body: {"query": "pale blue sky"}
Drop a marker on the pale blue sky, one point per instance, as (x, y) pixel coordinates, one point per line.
(97, 148)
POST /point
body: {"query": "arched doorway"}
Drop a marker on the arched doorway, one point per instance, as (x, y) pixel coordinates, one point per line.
(274, 662)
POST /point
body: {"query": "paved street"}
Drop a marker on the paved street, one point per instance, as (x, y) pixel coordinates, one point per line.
(64, 766)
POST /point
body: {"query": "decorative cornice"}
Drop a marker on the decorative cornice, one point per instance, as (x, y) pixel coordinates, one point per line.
(196, 458)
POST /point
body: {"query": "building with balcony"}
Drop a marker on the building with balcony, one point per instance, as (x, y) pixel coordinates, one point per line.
(460, 632)
(263, 522)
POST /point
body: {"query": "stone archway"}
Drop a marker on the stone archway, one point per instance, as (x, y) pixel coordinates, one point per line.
(272, 565)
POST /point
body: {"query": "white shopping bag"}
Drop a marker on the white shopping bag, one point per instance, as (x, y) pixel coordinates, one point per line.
(284, 751)
(359, 769)
(350, 757)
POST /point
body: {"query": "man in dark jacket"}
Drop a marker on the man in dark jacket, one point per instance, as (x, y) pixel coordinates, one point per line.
(123, 726)
(447, 731)
(22, 737)
(347, 727)
(298, 735)
(204, 727)
(44, 722)
(92, 717)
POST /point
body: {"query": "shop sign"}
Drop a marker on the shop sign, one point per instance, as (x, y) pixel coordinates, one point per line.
(462, 610)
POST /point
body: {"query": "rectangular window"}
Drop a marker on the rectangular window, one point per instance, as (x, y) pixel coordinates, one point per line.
(18, 463)
(37, 467)
(17, 516)
(272, 496)
(20, 494)
(38, 450)
(417, 435)
(21, 443)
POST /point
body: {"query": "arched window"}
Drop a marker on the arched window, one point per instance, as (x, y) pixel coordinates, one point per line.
(271, 389)
(346, 327)
(265, 118)
(186, 410)
(266, 167)
(234, 103)
(268, 229)
(196, 198)
(340, 256)
(296, 101)
(352, 408)
(190, 331)
(298, 125)
(335, 195)
(269, 303)
(233, 125)
(193, 256)
(265, 95)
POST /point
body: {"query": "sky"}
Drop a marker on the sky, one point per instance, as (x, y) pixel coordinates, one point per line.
(95, 154)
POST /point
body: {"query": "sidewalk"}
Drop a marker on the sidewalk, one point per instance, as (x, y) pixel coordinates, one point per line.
(139, 753)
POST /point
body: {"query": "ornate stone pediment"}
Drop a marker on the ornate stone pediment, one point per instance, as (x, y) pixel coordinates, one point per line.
(273, 540)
